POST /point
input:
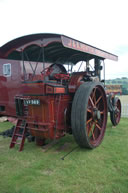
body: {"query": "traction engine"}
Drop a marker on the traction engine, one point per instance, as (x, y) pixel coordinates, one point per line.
(63, 99)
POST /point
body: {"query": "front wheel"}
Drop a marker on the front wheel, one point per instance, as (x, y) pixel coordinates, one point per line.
(115, 114)
(89, 115)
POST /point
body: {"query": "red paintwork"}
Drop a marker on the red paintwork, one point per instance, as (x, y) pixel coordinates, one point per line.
(80, 46)
(51, 114)
(11, 86)
(75, 81)
(50, 119)
(45, 39)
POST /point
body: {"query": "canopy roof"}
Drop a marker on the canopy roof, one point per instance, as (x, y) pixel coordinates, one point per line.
(51, 48)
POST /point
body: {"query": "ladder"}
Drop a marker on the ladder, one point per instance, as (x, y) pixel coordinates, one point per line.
(19, 134)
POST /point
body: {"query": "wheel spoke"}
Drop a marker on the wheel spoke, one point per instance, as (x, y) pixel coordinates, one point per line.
(89, 121)
(93, 96)
(90, 128)
(91, 101)
(98, 126)
(93, 133)
(117, 115)
(118, 110)
(89, 110)
(101, 112)
(98, 100)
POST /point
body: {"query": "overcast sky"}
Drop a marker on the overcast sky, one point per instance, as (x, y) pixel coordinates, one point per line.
(101, 23)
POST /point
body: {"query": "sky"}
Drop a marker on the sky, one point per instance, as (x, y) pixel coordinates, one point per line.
(100, 23)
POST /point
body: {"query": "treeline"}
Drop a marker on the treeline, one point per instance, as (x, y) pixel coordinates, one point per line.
(120, 81)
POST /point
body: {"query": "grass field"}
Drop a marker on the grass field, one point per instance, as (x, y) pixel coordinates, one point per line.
(102, 170)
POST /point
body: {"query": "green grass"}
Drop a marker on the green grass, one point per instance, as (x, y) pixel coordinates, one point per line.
(102, 170)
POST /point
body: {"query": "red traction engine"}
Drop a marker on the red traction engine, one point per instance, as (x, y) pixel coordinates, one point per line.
(68, 95)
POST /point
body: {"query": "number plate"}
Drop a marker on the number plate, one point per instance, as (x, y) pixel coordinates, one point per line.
(31, 102)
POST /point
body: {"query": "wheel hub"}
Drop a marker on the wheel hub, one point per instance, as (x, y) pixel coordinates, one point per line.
(96, 114)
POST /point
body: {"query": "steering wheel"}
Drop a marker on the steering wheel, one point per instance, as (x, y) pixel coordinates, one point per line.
(54, 69)
(46, 71)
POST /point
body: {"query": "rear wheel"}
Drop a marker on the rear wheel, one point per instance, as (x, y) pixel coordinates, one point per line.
(89, 115)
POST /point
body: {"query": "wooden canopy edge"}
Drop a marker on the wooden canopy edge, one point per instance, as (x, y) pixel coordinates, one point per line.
(66, 42)
(80, 46)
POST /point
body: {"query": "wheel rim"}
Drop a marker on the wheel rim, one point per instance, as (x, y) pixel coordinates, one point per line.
(96, 116)
(118, 111)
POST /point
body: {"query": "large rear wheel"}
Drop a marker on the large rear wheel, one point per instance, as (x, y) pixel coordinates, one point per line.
(89, 114)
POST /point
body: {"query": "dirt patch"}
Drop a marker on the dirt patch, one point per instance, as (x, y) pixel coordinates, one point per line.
(64, 147)
(47, 172)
